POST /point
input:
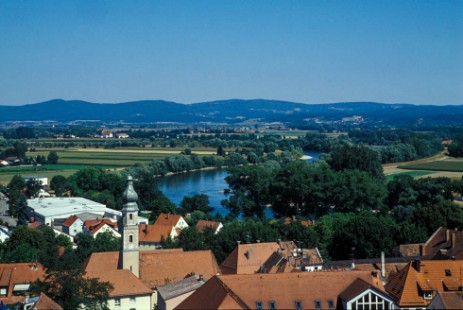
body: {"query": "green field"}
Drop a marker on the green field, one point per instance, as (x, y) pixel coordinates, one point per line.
(71, 160)
(414, 174)
(452, 166)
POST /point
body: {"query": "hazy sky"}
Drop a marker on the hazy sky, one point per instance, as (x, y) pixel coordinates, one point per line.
(190, 51)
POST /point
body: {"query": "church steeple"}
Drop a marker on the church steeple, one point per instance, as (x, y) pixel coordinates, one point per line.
(129, 255)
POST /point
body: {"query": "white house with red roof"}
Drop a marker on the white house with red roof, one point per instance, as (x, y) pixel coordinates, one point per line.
(73, 225)
(97, 226)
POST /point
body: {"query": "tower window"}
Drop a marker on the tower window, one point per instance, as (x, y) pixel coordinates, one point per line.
(131, 238)
(130, 216)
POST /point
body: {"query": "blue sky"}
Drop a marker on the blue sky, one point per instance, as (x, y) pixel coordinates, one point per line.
(394, 51)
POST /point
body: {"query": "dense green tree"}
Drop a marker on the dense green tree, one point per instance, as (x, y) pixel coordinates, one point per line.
(179, 163)
(364, 236)
(52, 158)
(15, 188)
(220, 150)
(198, 202)
(356, 157)
(58, 184)
(248, 190)
(72, 289)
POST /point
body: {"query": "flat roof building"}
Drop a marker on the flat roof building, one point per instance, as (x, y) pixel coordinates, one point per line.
(47, 209)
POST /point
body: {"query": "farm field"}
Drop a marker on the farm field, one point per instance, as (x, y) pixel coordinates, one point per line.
(439, 165)
(443, 165)
(71, 160)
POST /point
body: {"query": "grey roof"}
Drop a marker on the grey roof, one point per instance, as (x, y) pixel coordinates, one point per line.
(178, 288)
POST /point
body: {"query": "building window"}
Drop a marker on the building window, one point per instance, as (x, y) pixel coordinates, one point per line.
(117, 302)
(448, 272)
(318, 304)
(330, 303)
(132, 299)
(272, 305)
(258, 305)
(371, 301)
(298, 305)
(3, 292)
(130, 238)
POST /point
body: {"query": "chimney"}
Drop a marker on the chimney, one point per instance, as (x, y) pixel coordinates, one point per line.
(238, 242)
(383, 265)
(417, 264)
(452, 237)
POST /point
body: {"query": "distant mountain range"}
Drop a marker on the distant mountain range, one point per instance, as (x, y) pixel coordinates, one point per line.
(233, 111)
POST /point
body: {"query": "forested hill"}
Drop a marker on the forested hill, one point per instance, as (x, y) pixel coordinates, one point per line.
(232, 112)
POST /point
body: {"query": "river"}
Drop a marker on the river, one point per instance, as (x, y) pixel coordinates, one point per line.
(209, 182)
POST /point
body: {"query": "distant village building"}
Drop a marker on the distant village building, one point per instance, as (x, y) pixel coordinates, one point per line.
(43, 181)
(122, 135)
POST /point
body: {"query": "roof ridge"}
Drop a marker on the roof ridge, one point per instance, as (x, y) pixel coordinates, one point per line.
(233, 294)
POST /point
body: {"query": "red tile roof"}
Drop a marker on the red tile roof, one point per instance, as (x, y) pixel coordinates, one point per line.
(19, 273)
(244, 291)
(46, 303)
(248, 258)
(70, 220)
(202, 224)
(123, 280)
(408, 285)
(92, 226)
(153, 233)
(167, 219)
(159, 267)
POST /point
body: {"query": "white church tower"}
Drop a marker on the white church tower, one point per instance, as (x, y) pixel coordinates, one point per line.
(129, 255)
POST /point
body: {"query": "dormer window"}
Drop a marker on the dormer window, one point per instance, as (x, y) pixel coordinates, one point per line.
(427, 295)
(330, 303)
(298, 305)
(448, 272)
(258, 305)
(318, 304)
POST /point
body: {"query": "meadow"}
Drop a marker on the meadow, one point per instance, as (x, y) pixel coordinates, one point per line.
(71, 160)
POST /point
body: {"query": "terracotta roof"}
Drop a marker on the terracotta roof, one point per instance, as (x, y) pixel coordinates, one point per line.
(154, 233)
(202, 224)
(45, 303)
(443, 239)
(167, 219)
(248, 258)
(35, 225)
(19, 273)
(159, 267)
(70, 220)
(92, 226)
(284, 289)
(124, 282)
(407, 286)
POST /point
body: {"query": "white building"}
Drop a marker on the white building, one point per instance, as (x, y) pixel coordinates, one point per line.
(41, 180)
(46, 210)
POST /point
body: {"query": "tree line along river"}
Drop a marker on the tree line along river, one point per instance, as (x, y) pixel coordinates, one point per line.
(209, 182)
